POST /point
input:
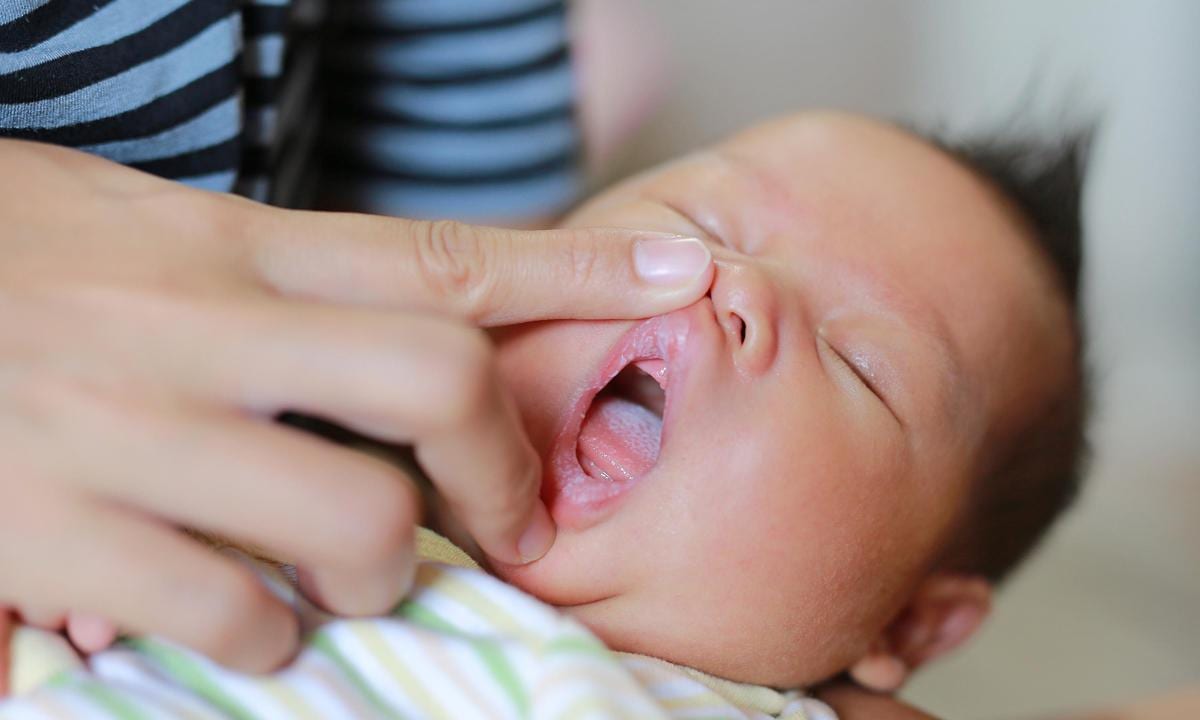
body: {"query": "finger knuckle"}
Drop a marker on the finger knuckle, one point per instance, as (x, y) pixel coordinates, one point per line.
(229, 603)
(584, 256)
(191, 214)
(379, 522)
(70, 409)
(456, 264)
(64, 407)
(43, 396)
(37, 511)
(47, 617)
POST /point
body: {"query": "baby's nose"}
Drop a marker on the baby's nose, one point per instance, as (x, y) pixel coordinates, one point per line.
(747, 308)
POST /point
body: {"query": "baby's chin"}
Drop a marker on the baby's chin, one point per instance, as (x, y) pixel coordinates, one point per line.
(634, 622)
(625, 625)
(611, 617)
(559, 578)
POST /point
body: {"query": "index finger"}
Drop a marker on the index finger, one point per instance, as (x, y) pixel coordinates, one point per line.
(489, 276)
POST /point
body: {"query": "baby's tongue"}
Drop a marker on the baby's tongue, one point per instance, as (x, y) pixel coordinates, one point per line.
(619, 439)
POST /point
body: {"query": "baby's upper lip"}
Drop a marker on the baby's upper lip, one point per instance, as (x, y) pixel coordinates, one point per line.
(665, 337)
(633, 346)
(669, 338)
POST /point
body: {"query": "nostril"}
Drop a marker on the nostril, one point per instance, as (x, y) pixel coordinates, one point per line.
(748, 315)
(736, 327)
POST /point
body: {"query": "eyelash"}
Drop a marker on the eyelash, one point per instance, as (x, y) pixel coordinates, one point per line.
(859, 373)
(862, 374)
(841, 357)
(872, 385)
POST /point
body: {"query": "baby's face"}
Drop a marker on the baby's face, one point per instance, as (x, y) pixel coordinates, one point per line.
(878, 319)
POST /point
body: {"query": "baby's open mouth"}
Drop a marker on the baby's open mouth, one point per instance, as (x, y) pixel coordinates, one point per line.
(618, 428)
(622, 430)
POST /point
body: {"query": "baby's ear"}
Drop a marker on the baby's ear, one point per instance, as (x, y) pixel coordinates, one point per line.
(944, 612)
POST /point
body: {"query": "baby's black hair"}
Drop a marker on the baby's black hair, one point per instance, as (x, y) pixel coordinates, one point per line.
(1039, 473)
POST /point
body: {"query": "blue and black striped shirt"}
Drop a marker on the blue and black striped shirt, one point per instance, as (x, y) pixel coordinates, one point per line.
(424, 108)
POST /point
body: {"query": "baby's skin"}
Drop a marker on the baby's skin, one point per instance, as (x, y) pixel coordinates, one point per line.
(879, 321)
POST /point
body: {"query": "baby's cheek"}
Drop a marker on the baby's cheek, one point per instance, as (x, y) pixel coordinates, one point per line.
(788, 526)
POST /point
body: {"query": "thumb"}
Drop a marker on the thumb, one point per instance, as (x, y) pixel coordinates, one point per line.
(490, 276)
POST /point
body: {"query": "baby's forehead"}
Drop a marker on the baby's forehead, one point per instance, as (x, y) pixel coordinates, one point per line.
(823, 132)
(864, 183)
(839, 156)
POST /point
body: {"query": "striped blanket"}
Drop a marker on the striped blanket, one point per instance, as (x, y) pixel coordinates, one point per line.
(462, 645)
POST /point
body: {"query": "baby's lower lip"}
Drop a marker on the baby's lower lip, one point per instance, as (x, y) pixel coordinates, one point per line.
(576, 499)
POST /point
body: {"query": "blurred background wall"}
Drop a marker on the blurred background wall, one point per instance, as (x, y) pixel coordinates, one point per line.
(1110, 609)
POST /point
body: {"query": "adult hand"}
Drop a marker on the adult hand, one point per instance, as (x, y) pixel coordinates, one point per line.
(852, 702)
(6, 628)
(149, 334)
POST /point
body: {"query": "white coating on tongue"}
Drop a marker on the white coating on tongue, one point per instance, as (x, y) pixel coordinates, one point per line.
(619, 439)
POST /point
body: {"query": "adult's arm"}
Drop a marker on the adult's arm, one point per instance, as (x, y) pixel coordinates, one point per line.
(149, 334)
(851, 702)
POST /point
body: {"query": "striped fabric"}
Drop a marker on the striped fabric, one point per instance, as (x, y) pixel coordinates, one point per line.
(448, 108)
(149, 83)
(463, 645)
(279, 61)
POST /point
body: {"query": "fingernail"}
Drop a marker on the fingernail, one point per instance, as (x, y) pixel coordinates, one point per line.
(538, 537)
(90, 633)
(670, 261)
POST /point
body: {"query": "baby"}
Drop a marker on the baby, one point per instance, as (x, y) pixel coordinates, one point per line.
(872, 417)
(826, 464)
